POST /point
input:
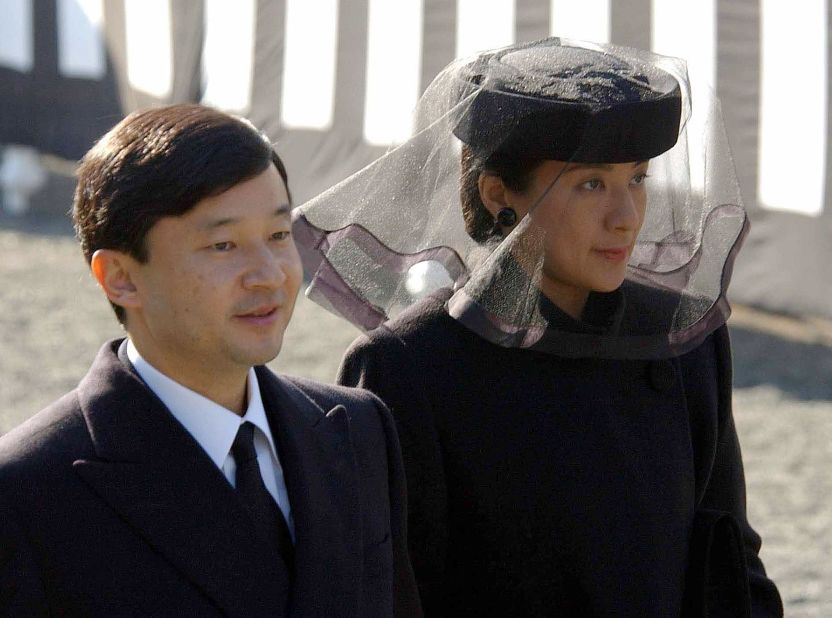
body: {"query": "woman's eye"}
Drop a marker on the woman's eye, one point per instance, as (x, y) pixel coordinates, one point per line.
(222, 247)
(591, 185)
(639, 179)
(281, 235)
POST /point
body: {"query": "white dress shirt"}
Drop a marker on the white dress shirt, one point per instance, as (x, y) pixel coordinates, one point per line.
(215, 427)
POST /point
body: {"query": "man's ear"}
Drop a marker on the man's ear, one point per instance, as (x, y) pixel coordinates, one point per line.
(113, 270)
(493, 193)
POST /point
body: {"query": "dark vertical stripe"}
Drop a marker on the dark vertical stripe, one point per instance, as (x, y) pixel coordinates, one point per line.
(630, 23)
(45, 37)
(187, 25)
(267, 75)
(63, 115)
(738, 72)
(438, 38)
(531, 19)
(351, 68)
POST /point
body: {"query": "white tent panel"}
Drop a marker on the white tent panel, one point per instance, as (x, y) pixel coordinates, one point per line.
(688, 30)
(80, 38)
(311, 42)
(587, 20)
(392, 78)
(483, 24)
(228, 54)
(149, 46)
(792, 155)
(17, 35)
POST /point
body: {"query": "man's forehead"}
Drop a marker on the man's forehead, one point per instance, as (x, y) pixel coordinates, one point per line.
(212, 220)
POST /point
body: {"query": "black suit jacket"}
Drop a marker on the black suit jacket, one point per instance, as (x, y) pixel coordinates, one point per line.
(547, 486)
(109, 507)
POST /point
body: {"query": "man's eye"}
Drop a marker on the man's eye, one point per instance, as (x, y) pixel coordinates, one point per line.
(281, 235)
(592, 184)
(222, 246)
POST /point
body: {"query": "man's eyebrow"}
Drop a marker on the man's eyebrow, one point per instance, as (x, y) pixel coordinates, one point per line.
(281, 211)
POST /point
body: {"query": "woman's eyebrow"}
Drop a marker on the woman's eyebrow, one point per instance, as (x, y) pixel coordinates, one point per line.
(603, 166)
(580, 166)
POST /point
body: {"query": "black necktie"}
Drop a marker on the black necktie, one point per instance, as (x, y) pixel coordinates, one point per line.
(267, 516)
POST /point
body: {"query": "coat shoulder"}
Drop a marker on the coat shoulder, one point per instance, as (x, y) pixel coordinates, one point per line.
(57, 430)
(366, 412)
(327, 396)
(40, 452)
(423, 329)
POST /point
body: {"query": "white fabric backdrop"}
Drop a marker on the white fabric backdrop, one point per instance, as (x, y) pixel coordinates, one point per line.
(333, 82)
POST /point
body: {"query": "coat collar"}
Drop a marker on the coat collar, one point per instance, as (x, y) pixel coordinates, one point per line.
(156, 476)
(322, 482)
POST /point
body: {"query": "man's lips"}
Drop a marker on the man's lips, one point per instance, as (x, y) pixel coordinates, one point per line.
(615, 254)
(263, 315)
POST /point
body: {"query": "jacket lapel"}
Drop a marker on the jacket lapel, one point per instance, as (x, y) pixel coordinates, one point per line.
(320, 469)
(160, 481)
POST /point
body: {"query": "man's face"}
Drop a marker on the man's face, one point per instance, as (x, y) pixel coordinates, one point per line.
(220, 282)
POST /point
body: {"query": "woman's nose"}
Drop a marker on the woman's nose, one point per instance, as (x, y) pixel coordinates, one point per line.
(623, 213)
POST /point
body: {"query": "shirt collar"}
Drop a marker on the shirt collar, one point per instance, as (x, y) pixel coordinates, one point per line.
(211, 425)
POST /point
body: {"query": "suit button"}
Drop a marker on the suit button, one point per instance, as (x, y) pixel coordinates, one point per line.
(662, 376)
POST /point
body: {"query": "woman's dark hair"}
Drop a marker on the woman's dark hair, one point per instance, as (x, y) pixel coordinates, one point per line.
(160, 163)
(516, 174)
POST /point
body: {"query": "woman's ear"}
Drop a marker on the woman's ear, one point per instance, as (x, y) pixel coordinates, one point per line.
(493, 193)
(113, 270)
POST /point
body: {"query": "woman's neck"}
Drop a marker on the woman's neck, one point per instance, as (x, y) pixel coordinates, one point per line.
(569, 299)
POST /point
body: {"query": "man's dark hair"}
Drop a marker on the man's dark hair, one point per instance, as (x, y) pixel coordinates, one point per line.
(159, 163)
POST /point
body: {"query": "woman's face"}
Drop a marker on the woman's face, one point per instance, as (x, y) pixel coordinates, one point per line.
(590, 219)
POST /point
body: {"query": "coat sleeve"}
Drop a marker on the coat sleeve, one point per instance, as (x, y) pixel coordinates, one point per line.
(21, 589)
(725, 487)
(382, 364)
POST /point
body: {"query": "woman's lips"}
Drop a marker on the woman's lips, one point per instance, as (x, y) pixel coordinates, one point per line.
(618, 254)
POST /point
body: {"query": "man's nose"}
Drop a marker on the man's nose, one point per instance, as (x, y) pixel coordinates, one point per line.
(264, 268)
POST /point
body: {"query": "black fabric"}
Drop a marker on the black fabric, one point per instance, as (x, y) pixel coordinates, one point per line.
(264, 512)
(534, 105)
(570, 133)
(108, 507)
(548, 486)
(717, 582)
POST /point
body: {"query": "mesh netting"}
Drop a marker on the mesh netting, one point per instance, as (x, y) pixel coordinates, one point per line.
(600, 261)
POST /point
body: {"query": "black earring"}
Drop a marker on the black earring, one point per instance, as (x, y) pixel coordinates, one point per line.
(506, 217)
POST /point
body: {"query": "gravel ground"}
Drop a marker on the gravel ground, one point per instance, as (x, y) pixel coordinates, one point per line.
(53, 320)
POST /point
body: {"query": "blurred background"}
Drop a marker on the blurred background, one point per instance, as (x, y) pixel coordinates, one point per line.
(333, 83)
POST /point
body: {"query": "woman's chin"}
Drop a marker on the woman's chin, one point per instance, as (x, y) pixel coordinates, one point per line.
(610, 284)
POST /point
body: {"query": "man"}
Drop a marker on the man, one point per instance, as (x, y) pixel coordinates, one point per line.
(182, 477)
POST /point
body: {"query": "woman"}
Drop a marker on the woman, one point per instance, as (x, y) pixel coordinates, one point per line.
(545, 283)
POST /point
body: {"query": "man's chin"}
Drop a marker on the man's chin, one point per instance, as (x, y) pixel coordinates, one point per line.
(259, 354)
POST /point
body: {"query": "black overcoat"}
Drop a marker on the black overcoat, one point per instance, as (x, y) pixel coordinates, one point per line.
(108, 507)
(548, 486)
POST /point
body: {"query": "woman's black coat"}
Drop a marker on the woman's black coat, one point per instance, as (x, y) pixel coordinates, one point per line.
(547, 486)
